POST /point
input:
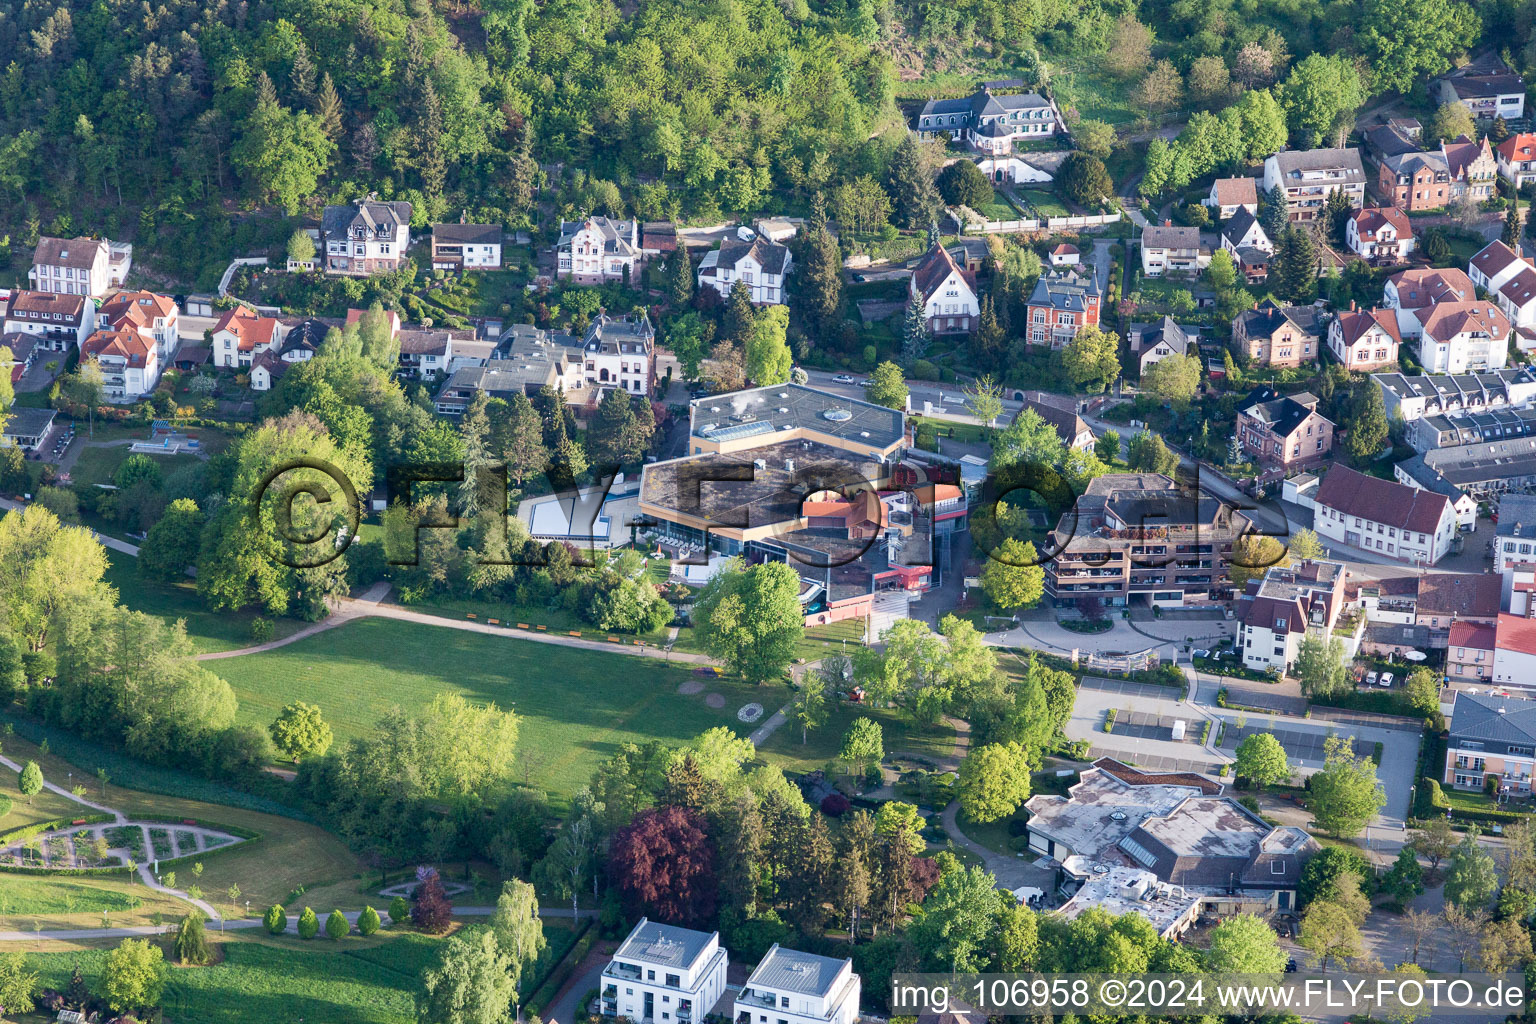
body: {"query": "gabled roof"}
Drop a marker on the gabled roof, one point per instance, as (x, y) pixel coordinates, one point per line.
(1294, 163)
(139, 309)
(1386, 141)
(1163, 331)
(1461, 152)
(1518, 147)
(1240, 223)
(1355, 324)
(80, 253)
(251, 331)
(131, 346)
(1445, 320)
(70, 307)
(1169, 236)
(466, 234)
(1414, 161)
(615, 234)
(1236, 191)
(1494, 258)
(935, 269)
(1282, 414)
(371, 214)
(771, 256)
(1486, 76)
(1371, 219)
(1478, 635)
(1427, 285)
(1482, 716)
(1521, 288)
(1266, 318)
(1382, 501)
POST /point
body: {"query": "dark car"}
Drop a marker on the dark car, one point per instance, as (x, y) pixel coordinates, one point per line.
(1290, 966)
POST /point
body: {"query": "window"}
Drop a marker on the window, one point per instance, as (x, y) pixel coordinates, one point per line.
(673, 981)
(650, 975)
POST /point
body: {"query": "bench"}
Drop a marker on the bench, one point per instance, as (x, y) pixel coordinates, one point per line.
(574, 632)
(522, 625)
(493, 622)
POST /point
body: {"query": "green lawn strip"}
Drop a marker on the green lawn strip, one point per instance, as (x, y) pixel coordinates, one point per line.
(581, 703)
(98, 465)
(208, 630)
(32, 896)
(822, 641)
(821, 746)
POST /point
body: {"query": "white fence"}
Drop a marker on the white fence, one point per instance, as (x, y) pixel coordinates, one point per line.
(972, 222)
(236, 264)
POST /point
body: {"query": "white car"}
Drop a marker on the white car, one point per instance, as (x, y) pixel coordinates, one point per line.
(843, 378)
(1370, 679)
(1386, 679)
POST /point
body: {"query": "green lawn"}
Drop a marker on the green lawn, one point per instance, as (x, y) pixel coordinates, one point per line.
(577, 706)
(899, 733)
(354, 981)
(208, 630)
(97, 465)
(1045, 203)
(833, 638)
(25, 896)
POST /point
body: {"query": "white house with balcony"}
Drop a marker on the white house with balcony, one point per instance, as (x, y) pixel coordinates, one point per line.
(1307, 176)
(790, 987)
(761, 265)
(663, 974)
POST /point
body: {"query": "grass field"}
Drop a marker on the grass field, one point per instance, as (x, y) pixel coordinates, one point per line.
(208, 630)
(784, 747)
(577, 706)
(28, 896)
(820, 641)
(289, 854)
(354, 981)
(97, 465)
(1044, 202)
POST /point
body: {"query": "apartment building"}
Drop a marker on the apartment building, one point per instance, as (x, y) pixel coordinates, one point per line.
(58, 320)
(71, 266)
(619, 351)
(1486, 86)
(1279, 610)
(466, 246)
(1458, 337)
(1308, 176)
(1285, 432)
(662, 974)
(1447, 394)
(1404, 523)
(1492, 736)
(1469, 656)
(1143, 537)
(1166, 249)
(791, 987)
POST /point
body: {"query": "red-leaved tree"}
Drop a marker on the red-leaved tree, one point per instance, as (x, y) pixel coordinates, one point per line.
(664, 866)
(430, 908)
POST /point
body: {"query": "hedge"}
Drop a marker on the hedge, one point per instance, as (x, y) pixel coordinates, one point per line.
(22, 833)
(1109, 720)
(130, 773)
(546, 992)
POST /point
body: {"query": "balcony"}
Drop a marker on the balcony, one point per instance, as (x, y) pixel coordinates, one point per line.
(622, 971)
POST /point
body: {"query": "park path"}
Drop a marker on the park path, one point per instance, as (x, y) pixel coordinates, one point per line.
(107, 542)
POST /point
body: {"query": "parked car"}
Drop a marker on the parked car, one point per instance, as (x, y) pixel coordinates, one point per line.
(1290, 965)
(1200, 654)
(1370, 679)
(1386, 679)
(843, 378)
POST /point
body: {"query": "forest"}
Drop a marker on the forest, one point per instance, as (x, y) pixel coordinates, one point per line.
(174, 124)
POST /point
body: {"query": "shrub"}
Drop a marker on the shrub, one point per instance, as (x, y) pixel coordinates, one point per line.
(192, 941)
(399, 910)
(276, 919)
(834, 804)
(337, 926)
(309, 924)
(368, 921)
(261, 629)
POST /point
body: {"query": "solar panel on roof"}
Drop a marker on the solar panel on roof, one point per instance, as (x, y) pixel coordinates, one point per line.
(736, 430)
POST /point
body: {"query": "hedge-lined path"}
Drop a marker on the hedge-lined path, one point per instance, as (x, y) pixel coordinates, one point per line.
(120, 819)
(198, 840)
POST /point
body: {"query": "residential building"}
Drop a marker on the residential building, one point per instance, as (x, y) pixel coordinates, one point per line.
(1272, 335)
(971, 252)
(1443, 394)
(1517, 159)
(1484, 469)
(1243, 236)
(1066, 255)
(503, 378)
(1364, 340)
(1410, 290)
(659, 238)
(1280, 609)
(1142, 537)
(598, 249)
(1307, 176)
(153, 316)
(1164, 846)
(1166, 249)
(1415, 472)
(1486, 86)
(1156, 341)
(466, 246)
(1459, 337)
(1228, 195)
(1285, 432)
(1415, 181)
(1061, 304)
(242, 334)
(266, 369)
(1441, 431)
(60, 321)
(662, 974)
(1469, 656)
(1493, 736)
(619, 351)
(1445, 598)
(365, 237)
(434, 350)
(27, 428)
(761, 265)
(129, 362)
(1379, 234)
(1060, 412)
(1473, 166)
(790, 987)
(992, 119)
(1404, 523)
(947, 293)
(71, 266)
(1515, 534)
(1509, 278)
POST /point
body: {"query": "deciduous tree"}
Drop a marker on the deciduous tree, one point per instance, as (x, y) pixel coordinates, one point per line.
(1346, 794)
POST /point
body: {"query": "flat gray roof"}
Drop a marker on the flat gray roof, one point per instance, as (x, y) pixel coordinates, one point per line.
(778, 407)
(793, 971)
(664, 945)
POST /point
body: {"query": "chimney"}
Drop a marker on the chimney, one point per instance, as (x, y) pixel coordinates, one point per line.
(1351, 305)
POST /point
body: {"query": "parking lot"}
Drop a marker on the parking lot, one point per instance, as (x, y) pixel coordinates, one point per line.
(1129, 688)
(1147, 726)
(1157, 762)
(1299, 746)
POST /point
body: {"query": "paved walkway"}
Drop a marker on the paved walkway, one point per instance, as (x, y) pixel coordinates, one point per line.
(1010, 872)
(109, 542)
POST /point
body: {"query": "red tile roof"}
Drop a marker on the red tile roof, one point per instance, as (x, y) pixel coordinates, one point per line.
(1236, 191)
(1517, 633)
(1425, 286)
(1494, 258)
(1463, 594)
(250, 330)
(1445, 320)
(1355, 323)
(140, 308)
(1519, 147)
(1382, 501)
(1371, 219)
(128, 345)
(935, 270)
(1479, 635)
